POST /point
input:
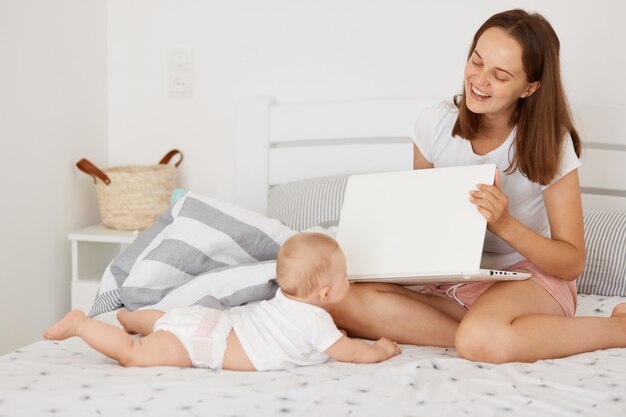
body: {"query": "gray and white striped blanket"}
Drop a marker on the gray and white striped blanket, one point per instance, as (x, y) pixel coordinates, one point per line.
(201, 251)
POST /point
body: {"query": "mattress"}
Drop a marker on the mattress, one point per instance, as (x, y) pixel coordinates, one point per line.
(68, 378)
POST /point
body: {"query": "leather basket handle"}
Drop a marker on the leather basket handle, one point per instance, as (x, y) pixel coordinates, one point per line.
(166, 159)
(90, 169)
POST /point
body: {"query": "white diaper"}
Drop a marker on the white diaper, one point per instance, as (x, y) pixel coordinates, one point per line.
(202, 331)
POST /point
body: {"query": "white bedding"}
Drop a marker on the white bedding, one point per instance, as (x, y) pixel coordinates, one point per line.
(70, 379)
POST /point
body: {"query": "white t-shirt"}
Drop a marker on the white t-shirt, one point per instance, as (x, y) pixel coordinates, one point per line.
(432, 133)
(283, 333)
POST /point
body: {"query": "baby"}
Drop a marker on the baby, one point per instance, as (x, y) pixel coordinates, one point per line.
(292, 329)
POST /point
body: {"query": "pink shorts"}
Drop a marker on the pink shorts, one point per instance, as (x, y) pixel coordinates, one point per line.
(465, 294)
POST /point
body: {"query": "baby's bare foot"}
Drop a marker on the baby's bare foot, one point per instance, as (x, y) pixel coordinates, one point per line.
(66, 327)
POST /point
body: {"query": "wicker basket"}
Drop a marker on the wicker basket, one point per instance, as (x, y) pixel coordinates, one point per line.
(132, 197)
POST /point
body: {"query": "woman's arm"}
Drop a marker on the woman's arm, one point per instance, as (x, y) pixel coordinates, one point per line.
(564, 254)
(358, 351)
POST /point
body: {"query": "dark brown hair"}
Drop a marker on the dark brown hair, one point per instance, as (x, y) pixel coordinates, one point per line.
(543, 118)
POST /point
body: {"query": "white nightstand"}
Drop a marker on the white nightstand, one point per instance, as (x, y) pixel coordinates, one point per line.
(93, 248)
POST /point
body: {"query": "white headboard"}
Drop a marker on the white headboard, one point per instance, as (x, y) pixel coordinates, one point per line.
(282, 142)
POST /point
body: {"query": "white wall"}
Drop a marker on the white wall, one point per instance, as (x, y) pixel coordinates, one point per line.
(303, 50)
(76, 72)
(52, 112)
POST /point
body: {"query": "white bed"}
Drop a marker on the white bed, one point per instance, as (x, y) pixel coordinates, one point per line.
(70, 379)
(281, 143)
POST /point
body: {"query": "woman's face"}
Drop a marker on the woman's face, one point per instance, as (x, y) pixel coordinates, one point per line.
(494, 75)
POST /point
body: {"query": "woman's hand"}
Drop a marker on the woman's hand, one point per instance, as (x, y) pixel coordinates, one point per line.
(492, 204)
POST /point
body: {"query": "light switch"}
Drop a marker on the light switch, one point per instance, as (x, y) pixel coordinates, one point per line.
(180, 72)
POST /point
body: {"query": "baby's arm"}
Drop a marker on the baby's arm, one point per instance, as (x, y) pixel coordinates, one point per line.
(358, 351)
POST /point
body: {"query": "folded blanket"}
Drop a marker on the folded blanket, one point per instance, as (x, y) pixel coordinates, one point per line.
(200, 251)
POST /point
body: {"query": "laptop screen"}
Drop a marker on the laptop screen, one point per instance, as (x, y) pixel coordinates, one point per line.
(411, 223)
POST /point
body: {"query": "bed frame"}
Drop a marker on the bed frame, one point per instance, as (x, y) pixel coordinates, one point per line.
(282, 142)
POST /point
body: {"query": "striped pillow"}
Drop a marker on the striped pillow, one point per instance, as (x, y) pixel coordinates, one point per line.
(200, 251)
(307, 203)
(605, 267)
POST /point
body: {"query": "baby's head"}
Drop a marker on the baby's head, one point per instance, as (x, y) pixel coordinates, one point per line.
(312, 267)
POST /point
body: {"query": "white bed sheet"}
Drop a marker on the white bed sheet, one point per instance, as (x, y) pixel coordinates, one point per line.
(70, 379)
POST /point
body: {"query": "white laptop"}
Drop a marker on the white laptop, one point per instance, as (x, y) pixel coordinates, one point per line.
(414, 227)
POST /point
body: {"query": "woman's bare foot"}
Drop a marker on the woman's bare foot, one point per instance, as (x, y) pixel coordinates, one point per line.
(66, 327)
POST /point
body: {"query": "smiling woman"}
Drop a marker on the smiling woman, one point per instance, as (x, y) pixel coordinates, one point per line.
(513, 113)
(507, 64)
(494, 75)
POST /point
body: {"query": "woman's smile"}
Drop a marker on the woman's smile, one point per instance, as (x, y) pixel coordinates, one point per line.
(478, 94)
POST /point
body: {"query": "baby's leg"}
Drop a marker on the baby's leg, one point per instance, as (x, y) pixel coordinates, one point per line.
(159, 348)
(141, 321)
(105, 338)
(66, 327)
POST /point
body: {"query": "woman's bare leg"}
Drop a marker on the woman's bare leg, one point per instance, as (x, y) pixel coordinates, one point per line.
(521, 322)
(157, 349)
(140, 321)
(375, 310)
